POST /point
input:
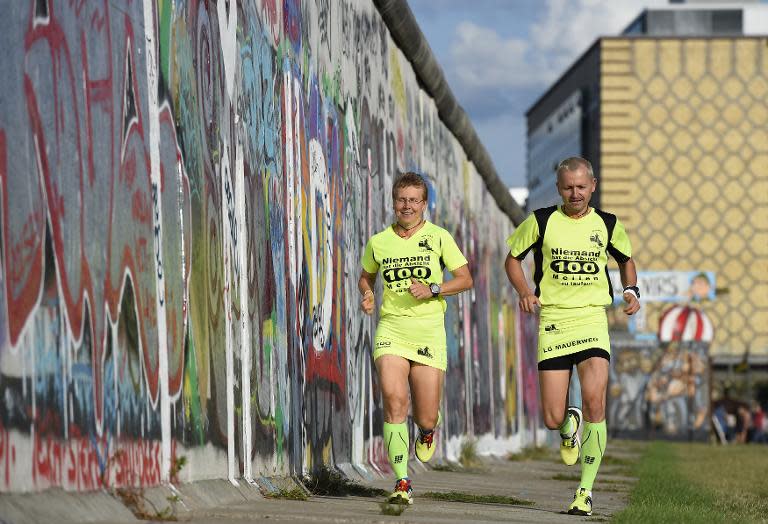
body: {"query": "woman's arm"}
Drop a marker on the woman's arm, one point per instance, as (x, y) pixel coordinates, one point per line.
(461, 281)
(365, 285)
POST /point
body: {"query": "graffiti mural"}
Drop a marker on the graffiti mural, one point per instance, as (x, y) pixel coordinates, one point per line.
(185, 192)
(661, 387)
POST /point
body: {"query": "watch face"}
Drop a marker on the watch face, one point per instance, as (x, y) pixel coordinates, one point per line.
(434, 288)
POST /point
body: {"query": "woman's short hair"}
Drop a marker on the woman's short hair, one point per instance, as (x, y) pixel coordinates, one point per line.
(410, 179)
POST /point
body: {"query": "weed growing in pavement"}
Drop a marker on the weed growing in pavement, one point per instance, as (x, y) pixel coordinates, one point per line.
(329, 482)
(570, 478)
(612, 489)
(287, 494)
(177, 464)
(134, 498)
(447, 467)
(604, 482)
(532, 453)
(612, 460)
(457, 496)
(393, 510)
(468, 456)
(621, 471)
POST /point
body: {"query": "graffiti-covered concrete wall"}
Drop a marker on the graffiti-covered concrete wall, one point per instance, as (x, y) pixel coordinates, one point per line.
(186, 188)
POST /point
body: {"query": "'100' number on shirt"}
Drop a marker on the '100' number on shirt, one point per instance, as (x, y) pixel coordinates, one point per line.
(574, 267)
(402, 273)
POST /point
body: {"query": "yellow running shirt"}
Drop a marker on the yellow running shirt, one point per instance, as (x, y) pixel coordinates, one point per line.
(571, 275)
(403, 318)
(571, 256)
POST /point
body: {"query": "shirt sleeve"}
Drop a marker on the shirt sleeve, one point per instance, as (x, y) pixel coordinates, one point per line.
(451, 254)
(524, 237)
(368, 261)
(619, 246)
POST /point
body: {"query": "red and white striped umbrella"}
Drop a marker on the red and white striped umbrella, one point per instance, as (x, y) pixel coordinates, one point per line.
(684, 323)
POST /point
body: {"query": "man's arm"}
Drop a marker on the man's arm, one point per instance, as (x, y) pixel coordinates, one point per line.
(628, 273)
(528, 300)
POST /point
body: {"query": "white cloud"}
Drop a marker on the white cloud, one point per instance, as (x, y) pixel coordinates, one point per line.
(569, 27)
(483, 59)
(496, 77)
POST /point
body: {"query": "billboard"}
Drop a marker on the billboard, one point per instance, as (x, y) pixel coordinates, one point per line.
(669, 286)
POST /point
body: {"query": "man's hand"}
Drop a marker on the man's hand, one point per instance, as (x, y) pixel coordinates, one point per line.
(420, 290)
(367, 304)
(633, 304)
(529, 303)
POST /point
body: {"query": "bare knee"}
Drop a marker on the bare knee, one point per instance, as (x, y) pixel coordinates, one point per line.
(594, 410)
(395, 407)
(553, 418)
(426, 421)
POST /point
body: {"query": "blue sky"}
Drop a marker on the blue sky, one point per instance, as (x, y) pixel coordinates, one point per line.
(499, 56)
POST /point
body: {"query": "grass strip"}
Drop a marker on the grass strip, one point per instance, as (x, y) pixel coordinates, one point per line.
(457, 496)
(663, 494)
(734, 475)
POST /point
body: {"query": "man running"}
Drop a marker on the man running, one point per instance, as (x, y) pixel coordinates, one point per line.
(571, 244)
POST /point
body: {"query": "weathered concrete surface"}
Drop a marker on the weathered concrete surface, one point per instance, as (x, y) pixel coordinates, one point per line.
(221, 502)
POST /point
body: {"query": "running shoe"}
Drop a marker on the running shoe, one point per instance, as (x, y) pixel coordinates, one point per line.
(425, 442)
(570, 445)
(582, 503)
(403, 493)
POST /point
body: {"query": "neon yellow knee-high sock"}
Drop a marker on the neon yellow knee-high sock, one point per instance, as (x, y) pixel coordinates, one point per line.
(568, 426)
(593, 442)
(396, 444)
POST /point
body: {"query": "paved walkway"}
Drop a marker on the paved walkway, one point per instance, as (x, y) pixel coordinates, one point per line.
(543, 481)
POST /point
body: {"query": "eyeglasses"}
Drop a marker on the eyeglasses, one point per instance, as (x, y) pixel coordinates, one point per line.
(411, 201)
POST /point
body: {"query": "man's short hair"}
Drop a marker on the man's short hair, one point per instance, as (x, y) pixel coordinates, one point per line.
(410, 179)
(574, 163)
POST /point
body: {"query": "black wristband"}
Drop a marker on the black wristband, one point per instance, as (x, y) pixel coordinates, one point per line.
(633, 289)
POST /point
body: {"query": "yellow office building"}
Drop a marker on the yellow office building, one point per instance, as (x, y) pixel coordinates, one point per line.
(684, 162)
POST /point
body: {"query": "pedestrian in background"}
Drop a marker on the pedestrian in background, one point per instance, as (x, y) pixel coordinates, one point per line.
(571, 244)
(756, 433)
(410, 346)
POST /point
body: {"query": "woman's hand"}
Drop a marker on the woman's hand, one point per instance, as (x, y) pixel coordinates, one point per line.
(420, 290)
(367, 303)
(365, 286)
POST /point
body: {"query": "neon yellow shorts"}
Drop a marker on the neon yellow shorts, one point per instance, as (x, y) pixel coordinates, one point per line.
(423, 354)
(563, 331)
(416, 339)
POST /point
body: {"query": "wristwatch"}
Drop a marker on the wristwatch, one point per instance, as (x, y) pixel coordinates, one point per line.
(634, 290)
(435, 289)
